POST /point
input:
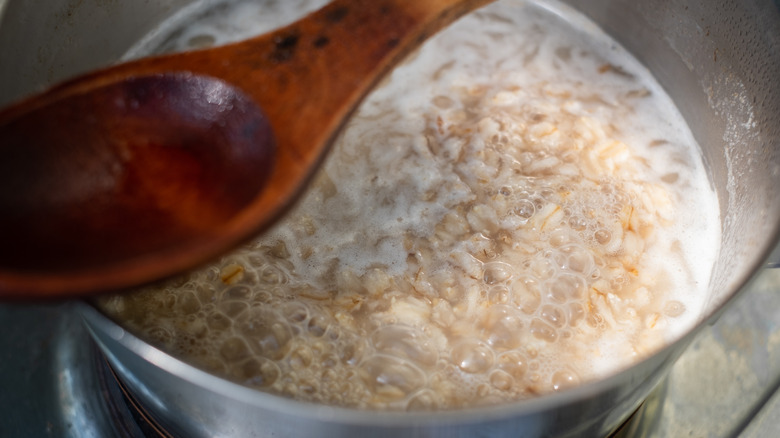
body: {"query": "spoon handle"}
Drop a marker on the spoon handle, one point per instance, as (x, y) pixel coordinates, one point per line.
(307, 78)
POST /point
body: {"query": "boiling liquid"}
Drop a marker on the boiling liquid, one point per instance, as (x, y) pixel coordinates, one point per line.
(518, 209)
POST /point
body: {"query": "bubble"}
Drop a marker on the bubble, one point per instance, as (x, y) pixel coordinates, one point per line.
(618, 281)
(300, 357)
(296, 312)
(329, 360)
(232, 309)
(272, 275)
(526, 295)
(318, 325)
(560, 259)
(622, 198)
(504, 327)
(563, 379)
(307, 386)
(578, 223)
(543, 331)
(261, 297)
(424, 400)
(472, 357)
(159, 335)
(595, 320)
(576, 313)
(497, 272)
(196, 327)
(553, 315)
(277, 250)
(483, 391)
(267, 333)
(674, 308)
(233, 349)
(578, 259)
(350, 353)
(559, 237)
(514, 363)
(548, 194)
(614, 209)
(205, 293)
(558, 291)
(187, 303)
(390, 377)
(602, 236)
(498, 295)
(543, 268)
(218, 321)
(257, 371)
(329, 376)
(501, 380)
(524, 208)
(257, 260)
(405, 342)
(567, 287)
(238, 293)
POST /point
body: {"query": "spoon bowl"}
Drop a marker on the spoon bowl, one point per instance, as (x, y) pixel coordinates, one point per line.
(145, 169)
(148, 168)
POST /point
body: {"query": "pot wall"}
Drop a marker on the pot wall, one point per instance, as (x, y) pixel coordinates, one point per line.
(191, 403)
(45, 41)
(719, 61)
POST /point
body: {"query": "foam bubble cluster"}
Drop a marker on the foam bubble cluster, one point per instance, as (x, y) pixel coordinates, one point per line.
(491, 226)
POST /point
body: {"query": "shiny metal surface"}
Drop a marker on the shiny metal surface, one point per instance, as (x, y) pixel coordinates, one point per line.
(718, 59)
(189, 402)
(724, 385)
(47, 41)
(49, 378)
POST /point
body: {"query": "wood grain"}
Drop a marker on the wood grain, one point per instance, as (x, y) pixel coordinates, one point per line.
(145, 169)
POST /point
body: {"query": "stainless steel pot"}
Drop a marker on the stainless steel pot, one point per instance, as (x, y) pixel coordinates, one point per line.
(718, 59)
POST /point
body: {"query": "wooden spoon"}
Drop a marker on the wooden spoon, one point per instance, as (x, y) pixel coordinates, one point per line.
(149, 168)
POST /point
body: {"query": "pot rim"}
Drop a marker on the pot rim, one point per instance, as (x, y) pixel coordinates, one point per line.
(95, 320)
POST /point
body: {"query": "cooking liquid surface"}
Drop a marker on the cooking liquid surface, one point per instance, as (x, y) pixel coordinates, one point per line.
(518, 209)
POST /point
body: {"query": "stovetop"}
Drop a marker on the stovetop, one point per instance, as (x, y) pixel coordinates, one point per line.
(727, 384)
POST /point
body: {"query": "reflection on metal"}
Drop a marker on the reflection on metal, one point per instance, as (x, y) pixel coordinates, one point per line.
(725, 384)
(645, 419)
(774, 259)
